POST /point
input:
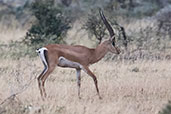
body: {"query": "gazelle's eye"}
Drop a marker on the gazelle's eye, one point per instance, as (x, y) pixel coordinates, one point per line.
(113, 43)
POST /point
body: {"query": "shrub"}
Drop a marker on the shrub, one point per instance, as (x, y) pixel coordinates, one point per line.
(95, 27)
(167, 109)
(50, 27)
(164, 20)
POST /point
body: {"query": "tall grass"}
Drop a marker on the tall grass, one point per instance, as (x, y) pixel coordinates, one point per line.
(136, 82)
(123, 89)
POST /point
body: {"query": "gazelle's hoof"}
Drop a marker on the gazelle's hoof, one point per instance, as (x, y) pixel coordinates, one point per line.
(100, 97)
(79, 97)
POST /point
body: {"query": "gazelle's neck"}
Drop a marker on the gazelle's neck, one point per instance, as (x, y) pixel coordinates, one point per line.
(99, 52)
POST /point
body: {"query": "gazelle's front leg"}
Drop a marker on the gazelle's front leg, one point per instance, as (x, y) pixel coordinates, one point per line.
(63, 62)
(78, 74)
(88, 71)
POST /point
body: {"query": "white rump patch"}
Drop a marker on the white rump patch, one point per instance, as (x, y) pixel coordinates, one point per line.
(42, 56)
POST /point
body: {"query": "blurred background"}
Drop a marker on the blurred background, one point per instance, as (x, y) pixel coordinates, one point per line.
(137, 81)
(140, 25)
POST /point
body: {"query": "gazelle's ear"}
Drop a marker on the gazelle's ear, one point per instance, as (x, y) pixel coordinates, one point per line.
(112, 39)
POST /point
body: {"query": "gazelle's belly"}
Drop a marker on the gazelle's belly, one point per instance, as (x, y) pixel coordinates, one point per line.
(63, 62)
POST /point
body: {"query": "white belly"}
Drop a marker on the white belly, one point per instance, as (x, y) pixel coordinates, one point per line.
(63, 62)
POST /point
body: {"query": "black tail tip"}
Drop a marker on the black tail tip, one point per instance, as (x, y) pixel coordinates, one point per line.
(37, 50)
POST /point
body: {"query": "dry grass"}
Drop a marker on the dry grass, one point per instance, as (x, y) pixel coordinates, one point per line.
(13, 33)
(142, 87)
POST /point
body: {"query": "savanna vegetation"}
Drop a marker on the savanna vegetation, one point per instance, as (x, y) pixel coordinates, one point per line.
(135, 82)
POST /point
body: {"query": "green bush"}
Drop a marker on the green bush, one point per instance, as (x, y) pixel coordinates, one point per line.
(167, 109)
(95, 26)
(50, 26)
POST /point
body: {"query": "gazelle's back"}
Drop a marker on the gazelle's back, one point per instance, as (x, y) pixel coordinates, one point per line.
(75, 53)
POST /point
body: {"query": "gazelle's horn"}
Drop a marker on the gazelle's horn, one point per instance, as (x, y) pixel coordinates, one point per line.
(108, 26)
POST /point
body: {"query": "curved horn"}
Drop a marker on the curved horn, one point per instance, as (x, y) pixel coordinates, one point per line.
(108, 26)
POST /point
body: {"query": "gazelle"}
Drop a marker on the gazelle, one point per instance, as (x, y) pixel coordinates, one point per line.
(78, 57)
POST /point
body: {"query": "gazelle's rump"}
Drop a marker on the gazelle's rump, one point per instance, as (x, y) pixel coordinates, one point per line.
(43, 55)
(42, 52)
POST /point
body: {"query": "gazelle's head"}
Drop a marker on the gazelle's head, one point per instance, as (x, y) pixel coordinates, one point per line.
(112, 46)
(111, 42)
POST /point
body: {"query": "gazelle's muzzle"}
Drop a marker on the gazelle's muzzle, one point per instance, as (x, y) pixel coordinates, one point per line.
(118, 51)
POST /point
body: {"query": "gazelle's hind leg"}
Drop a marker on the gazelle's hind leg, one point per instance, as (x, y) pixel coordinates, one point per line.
(49, 67)
(44, 77)
(40, 81)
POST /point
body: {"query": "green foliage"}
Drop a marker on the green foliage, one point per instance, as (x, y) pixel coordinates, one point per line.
(133, 8)
(51, 25)
(167, 109)
(95, 26)
(164, 21)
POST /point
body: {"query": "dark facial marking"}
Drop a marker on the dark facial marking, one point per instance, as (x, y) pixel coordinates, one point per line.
(113, 43)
